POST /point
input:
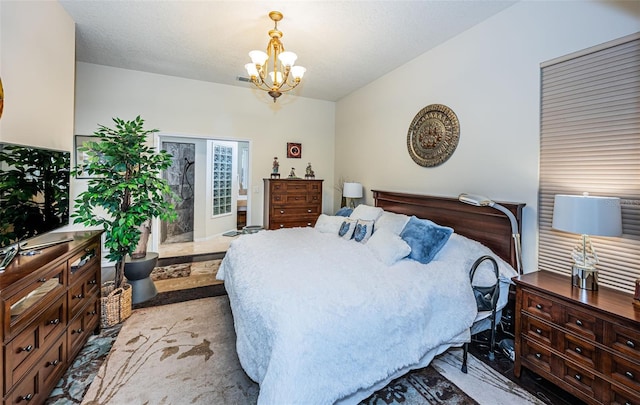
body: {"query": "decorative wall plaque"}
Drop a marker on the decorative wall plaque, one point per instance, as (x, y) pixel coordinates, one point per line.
(433, 135)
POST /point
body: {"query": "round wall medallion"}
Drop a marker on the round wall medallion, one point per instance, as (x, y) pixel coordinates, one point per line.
(433, 135)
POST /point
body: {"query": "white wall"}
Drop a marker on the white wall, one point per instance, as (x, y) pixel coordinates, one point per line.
(489, 76)
(198, 109)
(37, 51)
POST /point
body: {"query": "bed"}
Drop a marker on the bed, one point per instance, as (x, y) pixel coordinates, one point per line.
(321, 319)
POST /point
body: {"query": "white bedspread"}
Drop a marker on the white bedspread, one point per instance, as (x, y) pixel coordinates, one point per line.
(318, 318)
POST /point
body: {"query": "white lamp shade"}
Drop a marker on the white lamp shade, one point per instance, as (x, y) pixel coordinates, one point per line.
(587, 215)
(352, 190)
(288, 58)
(258, 57)
(276, 77)
(251, 69)
(297, 72)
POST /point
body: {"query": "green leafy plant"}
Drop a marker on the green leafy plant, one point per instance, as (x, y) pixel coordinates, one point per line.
(125, 184)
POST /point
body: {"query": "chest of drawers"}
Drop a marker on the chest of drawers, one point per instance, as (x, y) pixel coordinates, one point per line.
(50, 305)
(291, 202)
(586, 342)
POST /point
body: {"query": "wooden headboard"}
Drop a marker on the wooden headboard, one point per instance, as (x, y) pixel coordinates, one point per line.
(484, 224)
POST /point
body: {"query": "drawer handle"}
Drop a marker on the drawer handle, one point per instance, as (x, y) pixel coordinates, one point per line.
(578, 377)
(281, 226)
(538, 306)
(25, 349)
(91, 313)
(42, 280)
(538, 331)
(578, 350)
(631, 344)
(579, 322)
(53, 363)
(79, 330)
(54, 321)
(308, 223)
(93, 282)
(282, 211)
(538, 356)
(309, 211)
(26, 397)
(629, 374)
(78, 296)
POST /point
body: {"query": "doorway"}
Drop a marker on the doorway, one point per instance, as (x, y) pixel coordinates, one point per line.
(210, 177)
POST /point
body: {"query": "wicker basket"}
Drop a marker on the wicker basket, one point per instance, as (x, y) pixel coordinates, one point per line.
(115, 304)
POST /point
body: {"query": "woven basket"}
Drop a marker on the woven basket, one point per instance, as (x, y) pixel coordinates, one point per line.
(115, 304)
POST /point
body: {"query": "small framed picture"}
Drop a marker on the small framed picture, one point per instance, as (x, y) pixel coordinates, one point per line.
(294, 150)
(81, 157)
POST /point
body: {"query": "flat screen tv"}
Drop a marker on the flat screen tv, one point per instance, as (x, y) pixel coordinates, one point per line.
(34, 193)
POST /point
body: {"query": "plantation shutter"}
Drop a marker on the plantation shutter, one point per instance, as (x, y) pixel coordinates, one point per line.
(590, 142)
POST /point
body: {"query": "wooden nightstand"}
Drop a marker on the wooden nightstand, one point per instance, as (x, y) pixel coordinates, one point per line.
(586, 342)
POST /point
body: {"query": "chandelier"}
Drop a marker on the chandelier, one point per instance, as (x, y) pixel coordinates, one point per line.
(274, 71)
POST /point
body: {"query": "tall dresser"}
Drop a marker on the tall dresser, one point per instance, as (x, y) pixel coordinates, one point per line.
(291, 202)
(587, 342)
(50, 305)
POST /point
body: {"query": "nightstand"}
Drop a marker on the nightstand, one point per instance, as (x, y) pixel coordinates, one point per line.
(586, 342)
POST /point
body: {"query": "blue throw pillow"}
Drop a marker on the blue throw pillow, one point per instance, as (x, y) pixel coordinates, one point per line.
(344, 212)
(425, 238)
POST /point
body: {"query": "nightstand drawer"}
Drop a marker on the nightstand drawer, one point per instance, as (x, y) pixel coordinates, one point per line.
(536, 354)
(578, 350)
(536, 330)
(626, 373)
(580, 322)
(580, 378)
(621, 396)
(624, 340)
(537, 305)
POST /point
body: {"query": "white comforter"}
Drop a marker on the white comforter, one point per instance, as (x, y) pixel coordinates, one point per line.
(319, 318)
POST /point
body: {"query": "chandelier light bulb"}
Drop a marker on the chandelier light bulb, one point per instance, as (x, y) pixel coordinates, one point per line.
(297, 72)
(251, 69)
(276, 77)
(258, 57)
(288, 58)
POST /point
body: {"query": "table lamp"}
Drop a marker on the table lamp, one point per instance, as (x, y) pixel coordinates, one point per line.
(586, 215)
(350, 191)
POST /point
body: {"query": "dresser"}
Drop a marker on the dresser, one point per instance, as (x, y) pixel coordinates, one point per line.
(50, 305)
(291, 202)
(586, 342)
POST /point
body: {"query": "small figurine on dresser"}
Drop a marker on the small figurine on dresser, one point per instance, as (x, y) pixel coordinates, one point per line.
(310, 174)
(636, 296)
(275, 169)
(292, 173)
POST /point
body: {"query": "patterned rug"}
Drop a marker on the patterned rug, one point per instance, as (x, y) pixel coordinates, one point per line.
(171, 271)
(185, 353)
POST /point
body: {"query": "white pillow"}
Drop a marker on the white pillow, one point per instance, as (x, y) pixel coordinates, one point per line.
(366, 212)
(387, 247)
(392, 222)
(329, 223)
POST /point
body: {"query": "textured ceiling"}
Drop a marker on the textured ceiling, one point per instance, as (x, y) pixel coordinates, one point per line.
(343, 44)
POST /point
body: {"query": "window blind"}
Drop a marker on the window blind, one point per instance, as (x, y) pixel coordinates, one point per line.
(590, 142)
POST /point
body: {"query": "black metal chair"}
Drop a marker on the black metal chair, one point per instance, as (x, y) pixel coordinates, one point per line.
(486, 301)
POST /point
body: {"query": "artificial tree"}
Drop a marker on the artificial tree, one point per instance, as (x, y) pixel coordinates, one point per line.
(126, 184)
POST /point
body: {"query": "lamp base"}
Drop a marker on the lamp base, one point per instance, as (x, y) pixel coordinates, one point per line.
(585, 277)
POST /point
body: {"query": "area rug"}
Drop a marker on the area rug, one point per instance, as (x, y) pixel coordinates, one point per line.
(73, 386)
(171, 271)
(185, 353)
